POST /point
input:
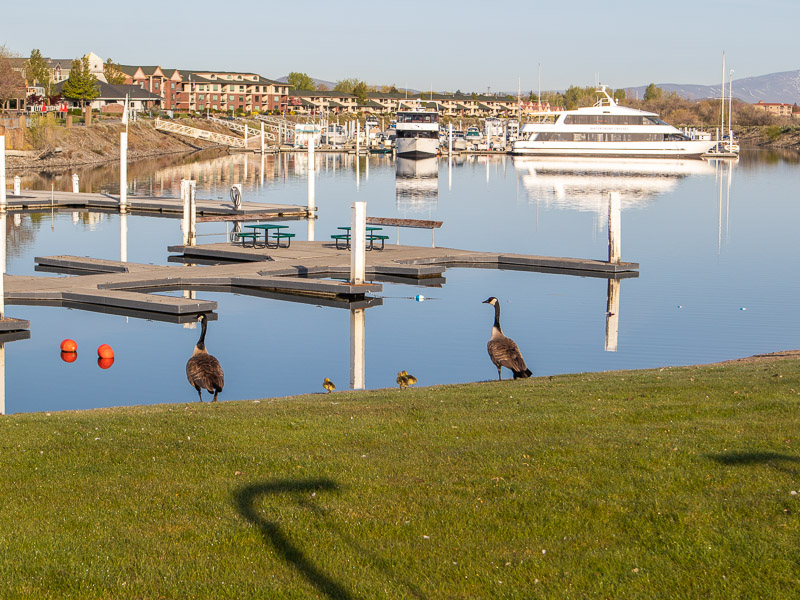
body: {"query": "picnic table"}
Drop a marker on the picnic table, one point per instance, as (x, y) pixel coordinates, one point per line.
(371, 238)
(277, 235)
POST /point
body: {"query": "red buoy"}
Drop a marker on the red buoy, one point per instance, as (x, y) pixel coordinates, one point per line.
(105, 351)
(105, 363)
(69, 346)
(69, 357)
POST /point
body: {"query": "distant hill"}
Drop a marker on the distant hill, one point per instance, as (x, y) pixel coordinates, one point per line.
(775, 87)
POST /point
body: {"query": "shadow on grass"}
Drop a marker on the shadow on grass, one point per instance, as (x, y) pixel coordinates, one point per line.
(245, 499)
(781, 462)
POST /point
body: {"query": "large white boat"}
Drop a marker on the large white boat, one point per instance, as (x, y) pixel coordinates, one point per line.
(606, 129)
(417, 133)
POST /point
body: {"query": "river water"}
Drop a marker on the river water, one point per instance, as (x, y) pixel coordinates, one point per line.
(717, 244)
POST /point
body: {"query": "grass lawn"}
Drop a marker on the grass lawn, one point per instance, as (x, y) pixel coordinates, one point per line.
(671, 483)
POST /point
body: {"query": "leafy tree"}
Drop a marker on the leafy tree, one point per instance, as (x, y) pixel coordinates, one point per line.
(301, 81)
(345, 85)
(37, 71)
(620, 95)
(82, 83)
(323, 88)
(653, 92)
(361, 91)
(113, 74)
(12, 85)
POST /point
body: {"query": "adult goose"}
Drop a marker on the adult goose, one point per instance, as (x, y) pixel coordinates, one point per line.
(502, 350)
(203, 370)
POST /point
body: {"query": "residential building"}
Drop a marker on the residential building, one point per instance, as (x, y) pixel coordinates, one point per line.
(112, 98)
(775, 108)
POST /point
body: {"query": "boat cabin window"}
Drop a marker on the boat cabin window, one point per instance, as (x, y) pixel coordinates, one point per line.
(417, 118)
(611, 120)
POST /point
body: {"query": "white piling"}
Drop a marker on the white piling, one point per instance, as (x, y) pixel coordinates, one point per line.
(123, 171)
(311, 152)
(262, 138)
(75, 183)
(192, 186)
(123, 237)
(450, 141)
(311, 206)
(185, 219)
(614, 237)
(17, 185)
(358, 242)
(357, 348)
(2, 172)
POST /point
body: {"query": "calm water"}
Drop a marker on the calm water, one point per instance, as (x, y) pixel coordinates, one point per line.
(717, 245)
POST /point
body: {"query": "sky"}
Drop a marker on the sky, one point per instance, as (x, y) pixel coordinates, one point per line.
(436, 44)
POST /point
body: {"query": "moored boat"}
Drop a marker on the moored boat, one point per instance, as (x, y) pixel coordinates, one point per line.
(417, 133)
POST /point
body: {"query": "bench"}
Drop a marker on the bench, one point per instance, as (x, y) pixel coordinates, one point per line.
(282, 236)
(374, 237)
(413, 223)
(339, 237)
(253, 237)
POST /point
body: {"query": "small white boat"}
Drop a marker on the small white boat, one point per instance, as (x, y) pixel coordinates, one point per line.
(417, 133)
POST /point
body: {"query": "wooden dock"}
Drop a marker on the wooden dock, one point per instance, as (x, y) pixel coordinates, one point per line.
(207, 209)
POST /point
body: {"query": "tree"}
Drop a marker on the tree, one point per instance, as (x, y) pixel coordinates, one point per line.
(82, 83)
(323, 88)
(301, 81)
(37, 71)
(653, 92)
(113, 73)
(345, 85)
(12, 85)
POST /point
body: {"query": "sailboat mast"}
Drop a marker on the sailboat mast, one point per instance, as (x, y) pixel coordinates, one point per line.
(722, 111)
(730, 106)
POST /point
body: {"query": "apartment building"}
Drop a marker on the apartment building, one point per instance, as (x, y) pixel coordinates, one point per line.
(775, 108)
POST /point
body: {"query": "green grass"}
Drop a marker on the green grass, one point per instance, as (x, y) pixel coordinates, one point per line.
(672, 483)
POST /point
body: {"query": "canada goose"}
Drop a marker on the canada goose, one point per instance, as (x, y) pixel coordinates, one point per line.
(402, 380)
(410, 378)
(328, 385)
(203, 370)
(502, 350)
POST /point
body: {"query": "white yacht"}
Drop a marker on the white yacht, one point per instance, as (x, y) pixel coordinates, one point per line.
(417, 133)
(606, 129)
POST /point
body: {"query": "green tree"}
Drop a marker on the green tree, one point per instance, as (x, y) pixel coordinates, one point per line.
(113, 73)
(345, 85)
(82, 83)
(12, 85)
(361, 91)
(301, 81)
(37, 71)
(653, 92)
(620, 95)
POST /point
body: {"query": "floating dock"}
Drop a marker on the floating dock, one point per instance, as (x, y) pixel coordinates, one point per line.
(207, 210)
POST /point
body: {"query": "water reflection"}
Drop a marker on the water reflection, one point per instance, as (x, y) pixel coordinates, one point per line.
(582, 183)
(417, 184)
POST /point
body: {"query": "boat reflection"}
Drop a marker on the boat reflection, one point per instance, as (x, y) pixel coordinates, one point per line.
(417, 184)
(582, 184)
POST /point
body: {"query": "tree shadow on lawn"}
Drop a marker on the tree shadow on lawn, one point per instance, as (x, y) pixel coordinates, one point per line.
(782, 462)
(245, 499)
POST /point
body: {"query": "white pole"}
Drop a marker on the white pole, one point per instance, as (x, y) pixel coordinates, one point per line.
(192, 184)
(311, 206)
(614, 243)
(262, 138)
(17, 185)
(311, 152)
(75, 183)
(123, 237)
(450, 141)
(185, 219)
(358, 242)
(2, 172)
(357, 348)
(123, 171)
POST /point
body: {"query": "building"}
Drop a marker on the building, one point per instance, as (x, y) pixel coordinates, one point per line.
(112, 98)
(775, 108)
(231, 91)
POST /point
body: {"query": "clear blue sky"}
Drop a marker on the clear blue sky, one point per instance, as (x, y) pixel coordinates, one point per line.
(444, 45)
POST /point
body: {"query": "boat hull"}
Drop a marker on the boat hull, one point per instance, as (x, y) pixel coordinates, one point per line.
(687, 148)
(413, 147)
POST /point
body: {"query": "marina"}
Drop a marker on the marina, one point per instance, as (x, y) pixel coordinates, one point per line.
(422, 305)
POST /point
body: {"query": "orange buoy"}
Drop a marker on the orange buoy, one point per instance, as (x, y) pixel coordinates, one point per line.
(105, 363)
(69, 346)
(69, 357)
(105, 351)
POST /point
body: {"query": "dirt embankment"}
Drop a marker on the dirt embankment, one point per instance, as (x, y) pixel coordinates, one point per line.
(769, 137)
(54, 147)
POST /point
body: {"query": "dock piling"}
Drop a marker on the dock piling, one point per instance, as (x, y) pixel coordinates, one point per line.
(123, 171)
(2, 172)
(358, 241)
(75, 183)
(17, 185)
(614, 239)
(311, 206)
(357, 348)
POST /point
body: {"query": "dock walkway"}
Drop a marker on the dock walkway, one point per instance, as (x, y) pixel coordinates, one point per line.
(207, 209)
(311, 272)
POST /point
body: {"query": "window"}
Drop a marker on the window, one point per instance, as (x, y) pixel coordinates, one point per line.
(241, 88)
(215, 88)
(172, 85)
(200, 98)
(214, 97)
(230, 98)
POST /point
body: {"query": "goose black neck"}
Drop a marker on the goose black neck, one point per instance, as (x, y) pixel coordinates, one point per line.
(201, 343)
(497, 315)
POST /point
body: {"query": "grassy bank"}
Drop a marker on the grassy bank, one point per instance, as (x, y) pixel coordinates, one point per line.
(649, 484)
